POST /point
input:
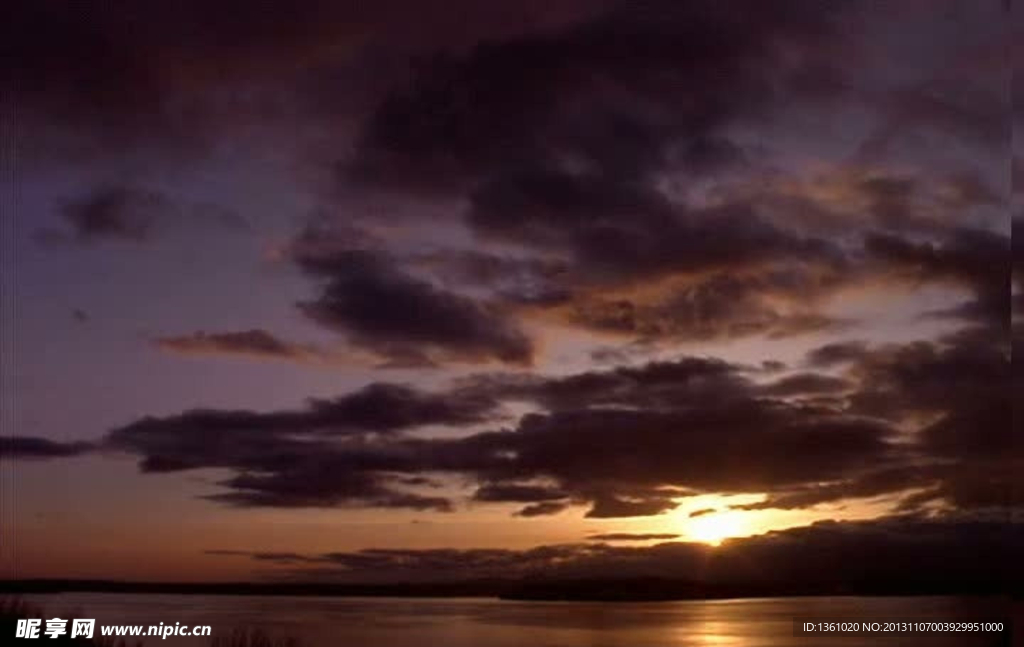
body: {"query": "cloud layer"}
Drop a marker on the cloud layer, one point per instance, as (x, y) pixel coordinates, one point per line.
(555, 222)
(905, 552)
(929, 423)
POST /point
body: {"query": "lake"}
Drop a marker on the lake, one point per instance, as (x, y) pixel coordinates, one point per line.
(480, 622)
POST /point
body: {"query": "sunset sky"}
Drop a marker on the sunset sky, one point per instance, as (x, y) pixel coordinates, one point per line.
(398, 288)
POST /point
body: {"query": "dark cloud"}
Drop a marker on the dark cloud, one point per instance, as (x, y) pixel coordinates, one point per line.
(734, 258)
(522, 280)
(914, 550)
(384, 407)
(555, 125)
(322, 455)
(718, 307)
(610, 506)
(913, 203)
(627, 536)
(702, 512)
(518, 493)
(316, 483)
(568, 159)
(114, 213)
(927, 422)
(615, 439)
(249, 343)
(933, 376)
(957, 394)
(836, 353)
(587, 186)
(466, 118)
(403, 318)
(25, 447)
(628, 442)
(658, 384)
(277, 557)
(807, 384)
(702, 426)
(871, 483)
(975, 259)
(132, 214)
(542, 509)
(377, 408)
(740, 446)
(129, 77)
(746, 274)
(583, 186)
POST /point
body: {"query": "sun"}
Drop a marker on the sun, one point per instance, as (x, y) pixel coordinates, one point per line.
(715, 527)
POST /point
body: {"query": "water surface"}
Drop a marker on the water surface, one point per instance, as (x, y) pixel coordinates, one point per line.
(479, 622)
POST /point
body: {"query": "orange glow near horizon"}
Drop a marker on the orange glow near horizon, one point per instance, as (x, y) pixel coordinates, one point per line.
(715, 527)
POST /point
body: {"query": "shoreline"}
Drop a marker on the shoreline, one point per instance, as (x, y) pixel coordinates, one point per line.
(554, 591)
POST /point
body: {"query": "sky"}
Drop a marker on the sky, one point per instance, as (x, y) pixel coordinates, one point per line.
(403, 290)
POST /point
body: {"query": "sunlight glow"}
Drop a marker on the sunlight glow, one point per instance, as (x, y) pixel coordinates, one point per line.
(715, 527)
